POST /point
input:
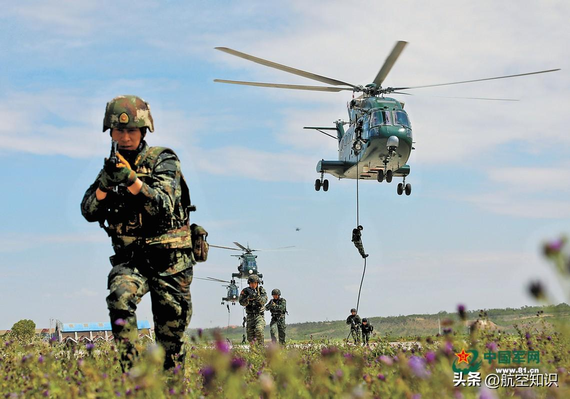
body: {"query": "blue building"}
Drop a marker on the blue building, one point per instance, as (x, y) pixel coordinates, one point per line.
(92, 332)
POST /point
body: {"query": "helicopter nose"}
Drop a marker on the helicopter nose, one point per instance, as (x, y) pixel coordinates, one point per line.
(393, 142)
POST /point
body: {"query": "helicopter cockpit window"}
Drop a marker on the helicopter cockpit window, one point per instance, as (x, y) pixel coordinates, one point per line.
(376, 118)
(402, 119)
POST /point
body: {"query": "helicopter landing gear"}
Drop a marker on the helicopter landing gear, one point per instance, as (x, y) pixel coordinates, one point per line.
(380, 176)
(388, 175)
(404, 187)
(324, 183)
(400, 189)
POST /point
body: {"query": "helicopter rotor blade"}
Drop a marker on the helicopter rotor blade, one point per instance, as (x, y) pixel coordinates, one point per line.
(285, 68)
(475, 80)
(276, 249)
(241, 246)
(389, 63)
(222, 247)
(217, 280)
(284, 86)
(462, 98)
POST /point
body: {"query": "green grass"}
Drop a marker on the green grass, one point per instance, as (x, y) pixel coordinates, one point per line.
(322, 368)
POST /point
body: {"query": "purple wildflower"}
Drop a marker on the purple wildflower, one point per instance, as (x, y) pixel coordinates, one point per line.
(430, 357)
(90, 346)
(237, 363)
(348, 355)
(418, 366)
(339, 373)
(553, 247)
(222, 346)
(386, 360)
(492, 346)
(172, 391)
(381, 377)
(120, 322)
(45, 393)
(40, 359)
(527, 335)
(208, 373)
(200, 332)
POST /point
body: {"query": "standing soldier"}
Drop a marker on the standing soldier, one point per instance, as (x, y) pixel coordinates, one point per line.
(357, 240)
(278, 307)
(367, 329)
(254, 298)
(142, 201)
(354, 321)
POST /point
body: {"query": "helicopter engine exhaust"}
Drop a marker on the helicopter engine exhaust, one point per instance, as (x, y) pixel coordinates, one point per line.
(392, 144)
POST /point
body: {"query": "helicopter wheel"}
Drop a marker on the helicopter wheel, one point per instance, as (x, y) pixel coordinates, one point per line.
(317, 185)
(380, 176)
(400, 188)
(408, 189)
(326, 185)
(389, 176)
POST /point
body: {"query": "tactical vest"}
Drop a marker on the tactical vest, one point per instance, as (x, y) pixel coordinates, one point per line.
(127, 224)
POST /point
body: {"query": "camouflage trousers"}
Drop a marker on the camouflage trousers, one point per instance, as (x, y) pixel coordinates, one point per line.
(171, 304)
(355, 334)
(255, 328)
(365, 338)
(360, 247)
(277, 328)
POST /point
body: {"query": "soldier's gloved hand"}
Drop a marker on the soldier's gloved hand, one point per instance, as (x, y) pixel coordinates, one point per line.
(123, 173)
(105, 183)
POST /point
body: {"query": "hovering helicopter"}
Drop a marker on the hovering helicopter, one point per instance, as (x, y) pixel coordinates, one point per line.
(378, 141)
(248, 263)
(232, 289)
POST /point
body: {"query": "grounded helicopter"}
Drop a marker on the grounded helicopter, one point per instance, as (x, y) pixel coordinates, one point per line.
(378, 141)
(232, 289)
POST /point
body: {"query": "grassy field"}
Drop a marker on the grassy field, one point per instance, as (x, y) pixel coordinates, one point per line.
(422, 325)
(326, 368)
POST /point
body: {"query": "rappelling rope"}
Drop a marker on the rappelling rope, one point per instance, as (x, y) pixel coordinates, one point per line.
(358, 224)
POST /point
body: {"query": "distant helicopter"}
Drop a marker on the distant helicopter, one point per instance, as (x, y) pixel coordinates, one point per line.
(248, 262)
(378, 141)
(232, 289)
(247, 265)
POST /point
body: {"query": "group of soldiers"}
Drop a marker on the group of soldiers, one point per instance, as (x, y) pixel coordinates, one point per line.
(141, 199)
(358, 326)
(254, 299)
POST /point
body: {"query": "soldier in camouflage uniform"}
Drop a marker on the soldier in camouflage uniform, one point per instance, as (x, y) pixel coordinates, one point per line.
(254, 298)
(367, 329)
(143, 204)
(278, 307)
(355, 322)
(357, 240)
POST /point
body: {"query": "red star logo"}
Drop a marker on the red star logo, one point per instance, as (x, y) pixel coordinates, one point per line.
(463, 356)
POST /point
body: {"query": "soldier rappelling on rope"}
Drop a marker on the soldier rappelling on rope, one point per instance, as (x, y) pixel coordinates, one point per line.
(357, 240)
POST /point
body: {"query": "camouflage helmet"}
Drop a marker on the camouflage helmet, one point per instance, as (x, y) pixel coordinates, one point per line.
(352, 310)
(253, 279)
(276, 291)
(365, 320)
(127, 112)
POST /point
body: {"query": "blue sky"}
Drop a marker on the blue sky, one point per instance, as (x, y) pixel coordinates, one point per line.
(490, 179)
